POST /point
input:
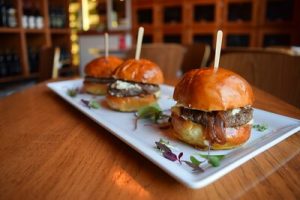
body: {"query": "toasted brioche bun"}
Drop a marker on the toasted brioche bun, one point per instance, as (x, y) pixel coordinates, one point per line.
(194, 134)
(129, 104)
(143, 71)
(206, 90)
(95, 88)
(102, 67)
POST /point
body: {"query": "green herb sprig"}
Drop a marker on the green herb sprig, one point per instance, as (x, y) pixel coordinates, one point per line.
(260, 127)
(91, 104)
(214, 160)
(72, 92)
(153, 113)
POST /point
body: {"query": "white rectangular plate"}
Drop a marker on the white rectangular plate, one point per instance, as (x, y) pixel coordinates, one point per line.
(144, 137)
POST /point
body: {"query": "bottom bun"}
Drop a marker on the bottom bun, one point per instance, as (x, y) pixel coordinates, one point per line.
(129, 104)
(95, 88)
(194, 134)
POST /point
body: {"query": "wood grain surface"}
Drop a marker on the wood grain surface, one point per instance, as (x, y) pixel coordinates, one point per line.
(49, 150)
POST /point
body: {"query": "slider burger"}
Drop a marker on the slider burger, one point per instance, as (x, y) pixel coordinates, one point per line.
(99, 74)
(137, 85)
(213, 109)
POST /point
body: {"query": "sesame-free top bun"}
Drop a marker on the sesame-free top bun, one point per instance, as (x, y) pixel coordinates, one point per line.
(102, 67)
(206, 90)
(142, 70)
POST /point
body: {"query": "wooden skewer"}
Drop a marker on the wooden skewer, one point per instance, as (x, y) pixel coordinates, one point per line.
(106, 44)
(139, 43)
(218, 50)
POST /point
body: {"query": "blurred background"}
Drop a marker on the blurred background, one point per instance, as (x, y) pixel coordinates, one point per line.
(260, 38)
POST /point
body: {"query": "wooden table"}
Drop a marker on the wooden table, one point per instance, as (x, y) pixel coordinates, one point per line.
(49, 150)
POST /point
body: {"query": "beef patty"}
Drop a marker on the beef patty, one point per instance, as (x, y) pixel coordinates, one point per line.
(240, 118)
(122, 88)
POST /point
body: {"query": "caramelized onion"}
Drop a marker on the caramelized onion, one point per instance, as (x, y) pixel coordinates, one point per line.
(215, 130)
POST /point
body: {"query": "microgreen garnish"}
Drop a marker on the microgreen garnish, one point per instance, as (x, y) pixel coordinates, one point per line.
(214, 160)
(162, 147)
(153, 113)
(195, 164)
(165, 148)
(72, 92)
(90, 104)
(168, 154)
(180, 156)
(196, 168)
(163, 141)
(194, 160)
(260, 127)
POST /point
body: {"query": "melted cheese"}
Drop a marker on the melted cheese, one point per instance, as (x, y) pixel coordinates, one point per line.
(250, 122)
(157, 94)
(122, 85)
(235, 111)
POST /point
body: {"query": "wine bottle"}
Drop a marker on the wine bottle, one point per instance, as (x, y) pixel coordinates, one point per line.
(16, 63)
(8, 62)
(52, 17)
(31, 18)
(2, 13)
(11, 16)
(25, 16)
(39, 20)
(33, 57)
(2, 65)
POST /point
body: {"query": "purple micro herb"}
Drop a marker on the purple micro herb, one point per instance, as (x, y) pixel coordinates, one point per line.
(167, 152)
(86, 103)
(180, 156)
(169, 155)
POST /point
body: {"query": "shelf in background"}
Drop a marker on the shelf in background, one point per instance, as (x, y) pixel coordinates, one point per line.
(9, 30)
(34, 31)
(68, 69)
(60, 31)
(27, 42)
(18, 78)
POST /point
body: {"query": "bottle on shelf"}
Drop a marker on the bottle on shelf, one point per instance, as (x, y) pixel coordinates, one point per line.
(3, 15)
(65, 57)
(16, 67)
(33, 58)
(51, 16)
(11, 16)
(25, 16)
(279, 11)
(31, 17)
(3, 72)
(63, 18)
(38, 18)
(57, 17)
(8, 62)
(172, 14)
